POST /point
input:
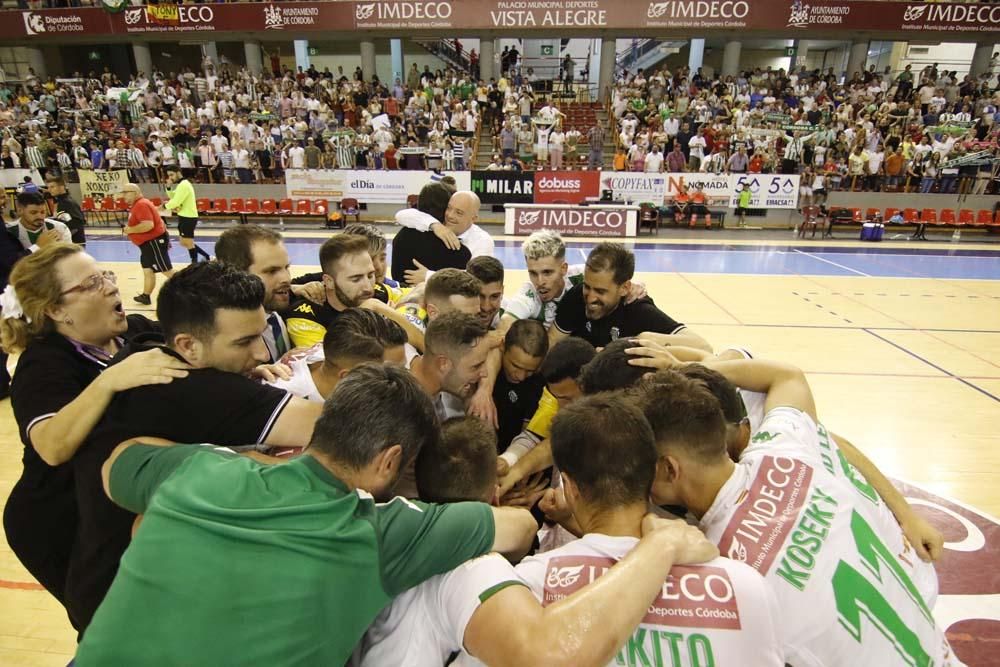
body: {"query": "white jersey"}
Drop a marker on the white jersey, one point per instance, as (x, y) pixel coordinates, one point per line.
(823, 445)
(846, 596)
(425, 625)
(718, 613)
(301, 383)
(526, 304)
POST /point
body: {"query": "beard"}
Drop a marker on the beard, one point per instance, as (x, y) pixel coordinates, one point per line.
(348, 301)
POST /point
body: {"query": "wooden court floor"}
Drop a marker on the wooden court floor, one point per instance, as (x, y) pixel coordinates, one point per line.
(908, 369)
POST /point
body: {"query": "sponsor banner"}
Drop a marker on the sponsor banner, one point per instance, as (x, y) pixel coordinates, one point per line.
(767, 513)
(635, 187)
(566, 187)
(607, 221)
(99, 184)
(504, 187)
(816, 16)
(768, 190)
(691, 597)
(370, 187)
(716, 186)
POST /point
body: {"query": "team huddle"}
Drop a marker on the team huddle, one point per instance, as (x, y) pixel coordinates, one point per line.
(345, 469)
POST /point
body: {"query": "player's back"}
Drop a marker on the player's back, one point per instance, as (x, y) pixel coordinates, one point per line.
(844, 597)
(719, 613)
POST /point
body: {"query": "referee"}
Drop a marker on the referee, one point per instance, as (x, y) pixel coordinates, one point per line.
(182, 201)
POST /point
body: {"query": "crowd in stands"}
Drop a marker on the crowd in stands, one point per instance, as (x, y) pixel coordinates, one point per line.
(926, 131)
(230, 126)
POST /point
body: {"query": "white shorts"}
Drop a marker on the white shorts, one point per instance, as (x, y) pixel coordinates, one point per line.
(805, 191)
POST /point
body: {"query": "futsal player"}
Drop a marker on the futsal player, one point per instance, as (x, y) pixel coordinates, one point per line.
(519, 387)
(483, 607)
(489, 271)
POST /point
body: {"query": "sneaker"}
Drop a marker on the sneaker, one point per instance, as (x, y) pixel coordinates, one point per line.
(143, 299)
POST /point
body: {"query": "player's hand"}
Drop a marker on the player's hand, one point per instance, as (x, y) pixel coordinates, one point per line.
(272, 372)
(638, 291)
(926, 540)
(446, 236)
(508, 481)
(47, 237)
(417, 275)
(502, 467)
(652, 355)
(314, 291)
(481, 406)
(527, 493)
(143, 368)
(690, 544)
(554, 505)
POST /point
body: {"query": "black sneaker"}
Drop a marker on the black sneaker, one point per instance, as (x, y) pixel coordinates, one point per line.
(143, 299)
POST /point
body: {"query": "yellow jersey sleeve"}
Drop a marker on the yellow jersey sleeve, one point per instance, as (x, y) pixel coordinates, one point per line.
(541, 422)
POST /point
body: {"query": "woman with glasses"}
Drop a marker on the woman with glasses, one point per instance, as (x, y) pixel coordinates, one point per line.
(64, 315)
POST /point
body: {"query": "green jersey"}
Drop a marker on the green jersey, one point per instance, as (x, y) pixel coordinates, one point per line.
(182, 199)
(241, 563)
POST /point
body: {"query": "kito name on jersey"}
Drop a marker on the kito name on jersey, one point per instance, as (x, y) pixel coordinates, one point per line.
(696, 597)
(761, 525)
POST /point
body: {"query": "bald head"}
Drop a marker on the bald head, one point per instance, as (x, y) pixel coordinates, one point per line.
(463, 211)
(130, 192)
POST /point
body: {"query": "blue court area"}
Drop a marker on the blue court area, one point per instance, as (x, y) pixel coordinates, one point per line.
(946, 261)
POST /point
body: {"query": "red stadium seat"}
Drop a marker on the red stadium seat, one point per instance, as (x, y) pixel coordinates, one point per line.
(285, 207)
(204, 205)
(251, 206)
(872, 213)
(984, 218)
(303, 207)
(87, 205)
(910, 216)
(856, 215)
(947, 217)
(928, 216)
(236, 206)
(218, 206)
(889, 212)
(268, 207)
(350, 206)
(320, 207)
(965, 217)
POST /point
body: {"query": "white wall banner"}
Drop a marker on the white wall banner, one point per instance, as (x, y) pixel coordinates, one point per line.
(769, 190)
(100, 184)
(367, 186)
(716, 186)
(635, 187)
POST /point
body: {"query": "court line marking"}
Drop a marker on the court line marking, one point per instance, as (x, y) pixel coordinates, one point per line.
(933, 365)
(21, 585)
(839, 266)
(834, 326)
(713, 301)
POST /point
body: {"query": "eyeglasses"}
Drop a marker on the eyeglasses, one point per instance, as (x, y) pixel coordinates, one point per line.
(93, 283)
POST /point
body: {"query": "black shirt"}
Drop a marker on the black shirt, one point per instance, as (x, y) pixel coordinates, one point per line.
(77, 221)
(208, 406)
(426, 248)
(515, 403)
(628, 319)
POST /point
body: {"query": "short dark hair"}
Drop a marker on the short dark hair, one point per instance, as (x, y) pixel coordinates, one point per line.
(361, 335)
(606, 446)
(376, 239)
(566, 359)
(189, 300)
(462, 464)
(683, 414)
(614, 257)
(338, 246)
(235, 245)
(609, 369)
(31, 198)
(530, 336)
(433, 199)
(486, 268)
(355, 425)
(733, 407)
(452, 331)
(450, 282)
